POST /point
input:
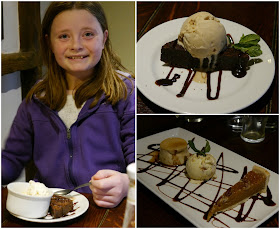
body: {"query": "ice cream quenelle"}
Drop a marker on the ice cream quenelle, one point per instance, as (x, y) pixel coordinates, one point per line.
(37, 189)
(202, 35)
(201, 168)
(173, 151)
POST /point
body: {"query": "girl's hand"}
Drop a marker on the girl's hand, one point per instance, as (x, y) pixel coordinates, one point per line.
(109, 187)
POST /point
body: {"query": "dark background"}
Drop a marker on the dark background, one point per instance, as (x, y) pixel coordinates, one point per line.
(151, 210)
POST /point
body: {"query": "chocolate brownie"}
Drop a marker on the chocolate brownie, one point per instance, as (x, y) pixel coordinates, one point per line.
(229, 59)
(60, 206)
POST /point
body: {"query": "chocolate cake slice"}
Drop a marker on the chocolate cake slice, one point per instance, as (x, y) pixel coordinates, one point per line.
(229, 59)
(60, 206)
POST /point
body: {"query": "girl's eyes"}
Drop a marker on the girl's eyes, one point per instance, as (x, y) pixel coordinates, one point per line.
(63, 36)
(88, 34)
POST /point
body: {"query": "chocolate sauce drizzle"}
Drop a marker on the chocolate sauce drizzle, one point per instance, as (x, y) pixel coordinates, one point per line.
(168, 177)
(209, 86)
(239, 71)
(187, 83)
(230, 38)
(166, 81)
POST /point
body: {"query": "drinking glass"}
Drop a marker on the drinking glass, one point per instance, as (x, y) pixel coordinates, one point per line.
(235, 122)
(253, 130)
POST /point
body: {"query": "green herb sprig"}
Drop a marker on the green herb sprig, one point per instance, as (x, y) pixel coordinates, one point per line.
(203, 151)
(249, 44)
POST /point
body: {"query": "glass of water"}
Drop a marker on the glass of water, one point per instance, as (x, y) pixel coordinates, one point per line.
(253, 129)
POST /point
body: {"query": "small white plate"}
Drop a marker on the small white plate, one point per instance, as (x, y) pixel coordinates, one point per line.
(235, 93)
(81, 205)
(196, 200)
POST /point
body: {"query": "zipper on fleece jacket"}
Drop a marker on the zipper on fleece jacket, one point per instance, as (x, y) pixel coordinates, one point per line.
(68, 133)
(69, 139)
(70, 145)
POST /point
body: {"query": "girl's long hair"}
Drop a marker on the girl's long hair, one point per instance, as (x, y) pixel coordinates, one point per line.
(51, 90)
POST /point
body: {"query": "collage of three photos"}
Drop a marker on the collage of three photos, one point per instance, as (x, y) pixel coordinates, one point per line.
(140, 114)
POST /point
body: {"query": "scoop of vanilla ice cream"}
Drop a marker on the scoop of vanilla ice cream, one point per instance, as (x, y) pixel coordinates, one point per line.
(200, 167)
(202, 35)
(37, 189)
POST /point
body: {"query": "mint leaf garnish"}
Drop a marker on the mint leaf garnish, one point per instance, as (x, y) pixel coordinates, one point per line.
(254, 51)
(191, 144)
(249, 44)
(207, 148)
(203, 151)
(251, 39)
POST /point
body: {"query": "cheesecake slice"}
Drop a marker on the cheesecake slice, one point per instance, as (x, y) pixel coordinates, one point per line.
(251, 184)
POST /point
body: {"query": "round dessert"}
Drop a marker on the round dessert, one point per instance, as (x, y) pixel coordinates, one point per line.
(201, 168)
(173, 151)
(202, 35)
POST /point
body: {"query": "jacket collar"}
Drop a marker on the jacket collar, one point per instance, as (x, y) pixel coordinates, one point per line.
(86, 110)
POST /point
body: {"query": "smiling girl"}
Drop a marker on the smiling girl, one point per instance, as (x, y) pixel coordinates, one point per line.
(77, 123)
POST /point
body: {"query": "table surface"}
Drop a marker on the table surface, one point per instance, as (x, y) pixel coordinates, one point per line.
(94, 217)
(215, 129)
(262, 18)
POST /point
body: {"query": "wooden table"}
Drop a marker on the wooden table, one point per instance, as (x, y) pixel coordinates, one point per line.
(93, 217)
(262, 18)
(151, 210)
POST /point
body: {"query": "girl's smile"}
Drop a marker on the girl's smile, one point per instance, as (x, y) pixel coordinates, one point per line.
(77, 41)
(77, 57)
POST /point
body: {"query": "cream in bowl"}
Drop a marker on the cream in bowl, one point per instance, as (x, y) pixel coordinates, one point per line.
(30, 200)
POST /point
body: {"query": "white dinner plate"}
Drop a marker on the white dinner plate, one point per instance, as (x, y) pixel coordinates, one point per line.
(235, 93)
(166, 182)
(81, 205)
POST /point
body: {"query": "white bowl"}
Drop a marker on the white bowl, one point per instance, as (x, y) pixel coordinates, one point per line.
(24, 205)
